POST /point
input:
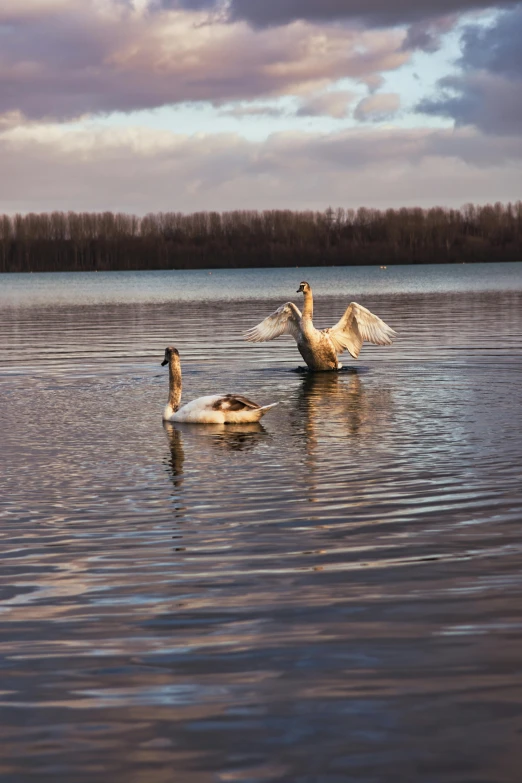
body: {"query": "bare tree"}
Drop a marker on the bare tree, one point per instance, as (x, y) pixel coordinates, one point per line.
(242, 238)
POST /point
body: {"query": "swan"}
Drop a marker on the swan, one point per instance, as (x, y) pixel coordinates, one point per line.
(214, 409)
(320, 348)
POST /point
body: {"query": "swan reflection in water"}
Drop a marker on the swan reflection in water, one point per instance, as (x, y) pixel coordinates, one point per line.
(340, 418)
(195, 445)
(177, 453)
(332, 403)
(201, 441)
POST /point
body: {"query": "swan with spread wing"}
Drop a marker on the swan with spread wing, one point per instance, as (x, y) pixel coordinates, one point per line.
(321, 347)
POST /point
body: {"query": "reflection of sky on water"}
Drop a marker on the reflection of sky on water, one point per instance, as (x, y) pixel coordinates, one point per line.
(178, 285)
(343, 578)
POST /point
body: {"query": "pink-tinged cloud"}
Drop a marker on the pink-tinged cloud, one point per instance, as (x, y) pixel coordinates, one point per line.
(139, 170)
(378, 107)
(76, 58)
(329, 104)
(373, 82)
(244, 111)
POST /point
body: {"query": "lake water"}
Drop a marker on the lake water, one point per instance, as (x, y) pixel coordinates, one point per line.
(332, 596)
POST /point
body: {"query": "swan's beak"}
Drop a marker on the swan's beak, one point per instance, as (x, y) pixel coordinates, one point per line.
(164, 362)
(299, 290)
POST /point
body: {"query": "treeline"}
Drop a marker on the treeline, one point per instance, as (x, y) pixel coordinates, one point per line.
(72, 241)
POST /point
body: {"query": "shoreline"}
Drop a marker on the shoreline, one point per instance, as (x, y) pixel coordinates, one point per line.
(213, 268)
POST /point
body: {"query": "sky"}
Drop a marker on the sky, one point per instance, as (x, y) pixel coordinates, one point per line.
(188, 105)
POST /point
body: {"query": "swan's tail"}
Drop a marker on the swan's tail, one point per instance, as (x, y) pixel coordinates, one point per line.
(265, 408)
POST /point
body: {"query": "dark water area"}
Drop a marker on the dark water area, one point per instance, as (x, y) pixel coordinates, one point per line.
(332, 595)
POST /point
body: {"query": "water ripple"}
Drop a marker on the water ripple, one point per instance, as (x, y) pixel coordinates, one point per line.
(331, 595)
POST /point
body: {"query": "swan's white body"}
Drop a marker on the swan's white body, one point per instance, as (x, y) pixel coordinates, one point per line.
(321, 347)
(216, 409)
(212, 409)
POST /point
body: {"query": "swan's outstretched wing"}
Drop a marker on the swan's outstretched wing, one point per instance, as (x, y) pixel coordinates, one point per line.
(285, 320)
(359, 325)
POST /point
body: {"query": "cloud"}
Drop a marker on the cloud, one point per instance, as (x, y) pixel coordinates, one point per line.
(495, 48)
(487, 92)
(11, 119)
(264, 110)
(15, 10)
(329, 104)
(75, 58)
(378, 107)
(489, 102)
(427, 35)
(369, 12)
(373, 82)
(47, 167)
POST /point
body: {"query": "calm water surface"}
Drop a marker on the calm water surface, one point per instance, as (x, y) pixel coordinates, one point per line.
(332, 596)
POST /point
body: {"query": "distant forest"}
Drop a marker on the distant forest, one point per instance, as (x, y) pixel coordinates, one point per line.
(71, 241)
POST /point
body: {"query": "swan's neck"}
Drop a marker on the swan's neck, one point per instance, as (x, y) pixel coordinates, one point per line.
(174, 382)
(308, 309)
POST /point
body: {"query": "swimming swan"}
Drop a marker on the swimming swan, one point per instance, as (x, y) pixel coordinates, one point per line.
(215, 409)
(320, 348)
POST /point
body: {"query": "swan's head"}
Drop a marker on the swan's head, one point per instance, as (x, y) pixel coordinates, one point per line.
(304, 288)
(169, 352)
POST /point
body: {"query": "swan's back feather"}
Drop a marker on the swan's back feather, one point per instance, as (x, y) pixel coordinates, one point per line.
(234, 402)
(356, 326)
(218, 409)
(285, 320)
